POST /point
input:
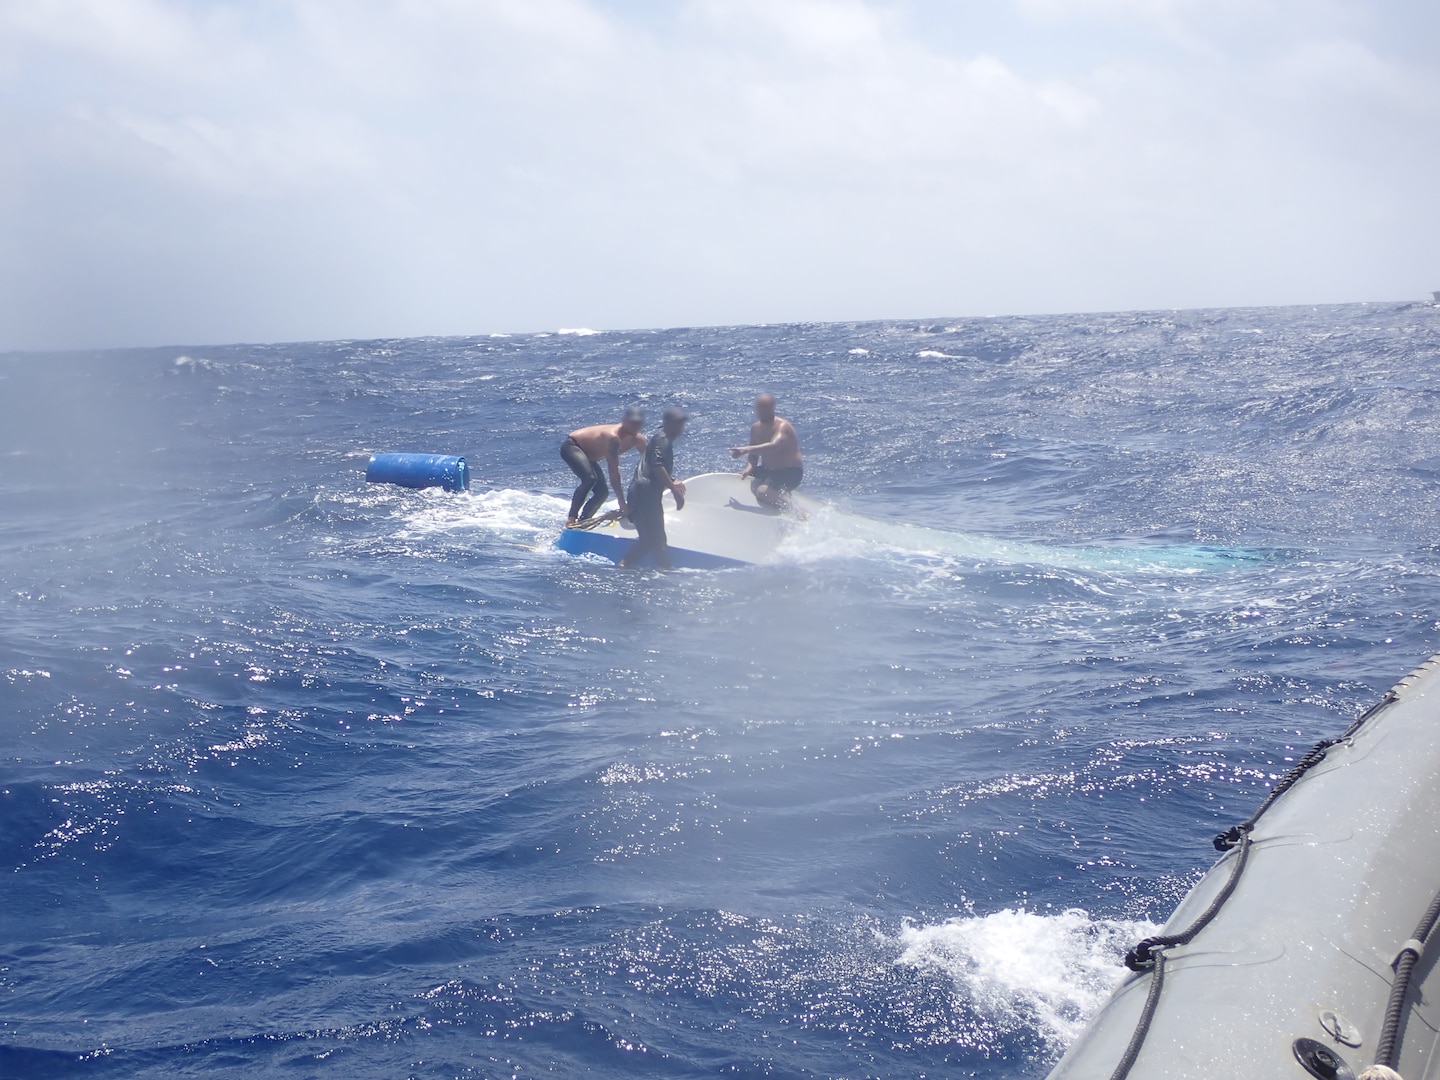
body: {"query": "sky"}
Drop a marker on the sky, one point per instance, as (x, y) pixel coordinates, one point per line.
(204, 171)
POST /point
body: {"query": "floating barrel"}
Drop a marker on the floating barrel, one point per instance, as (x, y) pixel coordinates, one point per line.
(419, 471)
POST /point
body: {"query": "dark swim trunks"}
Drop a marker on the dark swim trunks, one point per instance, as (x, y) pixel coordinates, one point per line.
(784, 479)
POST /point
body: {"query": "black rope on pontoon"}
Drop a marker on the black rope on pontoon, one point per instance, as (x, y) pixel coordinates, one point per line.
(1387, 1050)
(1230, 837)
(1141, 957)
(1142, 1028)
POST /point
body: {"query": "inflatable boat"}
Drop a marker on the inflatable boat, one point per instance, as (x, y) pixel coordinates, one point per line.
(1307, 949)
(721, 525)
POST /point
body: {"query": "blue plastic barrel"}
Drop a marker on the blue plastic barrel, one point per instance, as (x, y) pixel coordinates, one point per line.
(419, 471)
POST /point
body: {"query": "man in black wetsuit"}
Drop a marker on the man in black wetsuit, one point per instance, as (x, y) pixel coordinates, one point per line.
(654, 476)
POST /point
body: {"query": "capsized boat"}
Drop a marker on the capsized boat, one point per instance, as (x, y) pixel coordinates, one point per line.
(722, 525)
(1308, 948)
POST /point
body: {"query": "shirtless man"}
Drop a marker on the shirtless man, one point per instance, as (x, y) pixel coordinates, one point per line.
(584, 449)
(775, 459)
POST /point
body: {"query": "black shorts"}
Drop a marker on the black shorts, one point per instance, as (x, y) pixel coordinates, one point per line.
(784, 479)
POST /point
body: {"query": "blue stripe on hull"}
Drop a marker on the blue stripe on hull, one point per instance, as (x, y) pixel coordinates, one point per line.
(609, 546)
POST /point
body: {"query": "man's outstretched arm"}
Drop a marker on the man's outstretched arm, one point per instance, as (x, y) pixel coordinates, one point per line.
(756, 449)
(780, 437)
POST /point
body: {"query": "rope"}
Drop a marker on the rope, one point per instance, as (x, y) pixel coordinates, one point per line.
(1141, 957)
(1142, 1028)
(1387, 1050)
(596, 521)
(1230, 837)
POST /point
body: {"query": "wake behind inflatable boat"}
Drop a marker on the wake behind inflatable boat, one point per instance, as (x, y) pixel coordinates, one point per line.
(722, 525)
(1307, 950)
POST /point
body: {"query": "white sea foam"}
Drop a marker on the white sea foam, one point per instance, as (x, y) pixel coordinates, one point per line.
(579, 331)
(505, 510)
(1027, 971)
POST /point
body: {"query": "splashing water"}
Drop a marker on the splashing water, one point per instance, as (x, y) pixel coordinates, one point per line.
(1027, 972)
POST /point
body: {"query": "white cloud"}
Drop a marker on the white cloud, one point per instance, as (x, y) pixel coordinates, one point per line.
(234, 159)
(349, 167)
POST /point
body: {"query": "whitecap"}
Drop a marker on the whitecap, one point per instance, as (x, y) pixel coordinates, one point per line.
(1027, 971)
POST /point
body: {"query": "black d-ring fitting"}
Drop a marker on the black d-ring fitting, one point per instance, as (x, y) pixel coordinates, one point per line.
(1232, 836)
(1142, 956)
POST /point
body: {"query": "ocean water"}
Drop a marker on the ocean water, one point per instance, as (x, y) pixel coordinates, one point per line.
(304, 777)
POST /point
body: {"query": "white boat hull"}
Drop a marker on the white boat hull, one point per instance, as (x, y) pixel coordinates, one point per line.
(721, 525)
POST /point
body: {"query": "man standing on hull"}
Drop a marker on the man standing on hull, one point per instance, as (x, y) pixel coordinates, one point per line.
(654, 476)
(775, 459)
(584, 449)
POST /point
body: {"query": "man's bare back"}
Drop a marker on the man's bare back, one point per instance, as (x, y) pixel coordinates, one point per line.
(585, 448)
(596, 440)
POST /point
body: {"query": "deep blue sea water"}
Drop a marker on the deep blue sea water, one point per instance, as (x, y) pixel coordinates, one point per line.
(300, 777)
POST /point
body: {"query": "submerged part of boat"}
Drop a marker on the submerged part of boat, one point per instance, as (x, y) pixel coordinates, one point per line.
(1307, 949)
(721, 525)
